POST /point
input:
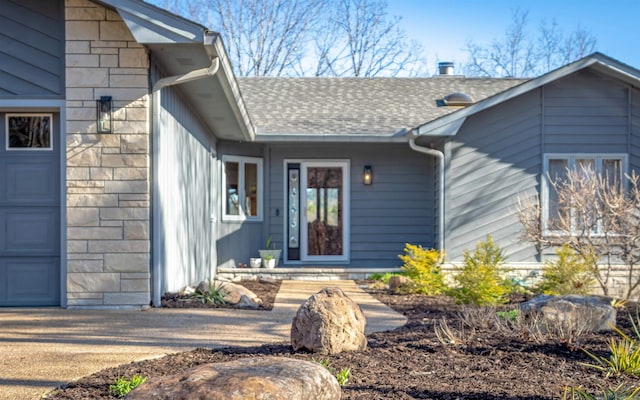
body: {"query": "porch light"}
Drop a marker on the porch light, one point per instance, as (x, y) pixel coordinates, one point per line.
(104, 114)
(367, 175)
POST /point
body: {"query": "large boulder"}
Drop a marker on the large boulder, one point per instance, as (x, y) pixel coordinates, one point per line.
(329, 322)
(272, 378)
(233, 292)
(586, 313)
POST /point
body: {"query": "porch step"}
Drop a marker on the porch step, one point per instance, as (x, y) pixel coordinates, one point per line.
(301, 273)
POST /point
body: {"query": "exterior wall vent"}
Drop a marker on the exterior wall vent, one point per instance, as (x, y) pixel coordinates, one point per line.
(445, 68)
(457, 99)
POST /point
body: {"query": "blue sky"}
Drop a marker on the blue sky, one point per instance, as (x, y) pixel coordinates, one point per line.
(444, 27)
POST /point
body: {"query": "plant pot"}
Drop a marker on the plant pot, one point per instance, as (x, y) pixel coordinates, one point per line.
(271, 263)
(275, 254)
(255, 262)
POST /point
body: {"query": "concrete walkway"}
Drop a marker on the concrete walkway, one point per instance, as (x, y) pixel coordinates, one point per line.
(45, 347)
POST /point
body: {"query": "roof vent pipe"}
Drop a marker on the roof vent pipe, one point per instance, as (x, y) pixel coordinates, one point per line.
(445, 68)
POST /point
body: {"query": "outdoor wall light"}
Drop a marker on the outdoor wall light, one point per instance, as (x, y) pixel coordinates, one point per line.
(367, 175)
(104, 114)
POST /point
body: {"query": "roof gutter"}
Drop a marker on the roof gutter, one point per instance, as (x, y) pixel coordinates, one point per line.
(440, 156)
(188, 77)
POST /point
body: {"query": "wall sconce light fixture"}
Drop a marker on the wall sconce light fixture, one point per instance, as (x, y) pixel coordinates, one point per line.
(104, 114)
(367, 175)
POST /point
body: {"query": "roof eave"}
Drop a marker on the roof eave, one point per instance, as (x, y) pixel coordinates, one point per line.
(153, 26)
(399, 137)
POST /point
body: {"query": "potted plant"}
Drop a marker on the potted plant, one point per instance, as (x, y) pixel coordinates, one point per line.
(271, 253)
(255, 262)
(268, 261)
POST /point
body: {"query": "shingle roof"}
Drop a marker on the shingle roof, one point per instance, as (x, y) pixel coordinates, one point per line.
(351, 106)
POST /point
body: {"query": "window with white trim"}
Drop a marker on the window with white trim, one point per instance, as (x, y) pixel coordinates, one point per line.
(556, 168)
(242, 184)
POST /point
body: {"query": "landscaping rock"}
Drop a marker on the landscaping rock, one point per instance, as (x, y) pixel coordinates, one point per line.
(397, 281)
(589, 313)
(234, 292)
(247, 303)
(329, 322)
(273, 378)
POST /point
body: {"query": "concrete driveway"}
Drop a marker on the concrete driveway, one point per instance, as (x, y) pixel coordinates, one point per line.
(45, 347)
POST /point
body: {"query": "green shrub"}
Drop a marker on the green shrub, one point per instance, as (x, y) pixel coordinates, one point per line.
(214, 295)
(383, 277)
(422, 266)
(570, 273)
(123, 386)
(341, 376)
(619, 393)
(624, 352)
(479, 281)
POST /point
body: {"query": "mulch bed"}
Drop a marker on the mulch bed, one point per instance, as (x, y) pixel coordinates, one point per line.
(265, 289)
(411, 363)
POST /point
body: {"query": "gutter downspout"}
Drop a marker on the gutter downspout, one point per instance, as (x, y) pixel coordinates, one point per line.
(440, 156)
(156, 221)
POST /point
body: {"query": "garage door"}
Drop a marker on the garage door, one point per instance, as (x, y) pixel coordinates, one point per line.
(29, 210)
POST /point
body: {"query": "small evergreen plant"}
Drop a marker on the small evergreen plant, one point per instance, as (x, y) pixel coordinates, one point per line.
(479, 281)
(422, 266)
(570, 273)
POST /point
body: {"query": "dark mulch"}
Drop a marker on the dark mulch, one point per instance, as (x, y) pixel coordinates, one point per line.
(266, 290)
(410, 362)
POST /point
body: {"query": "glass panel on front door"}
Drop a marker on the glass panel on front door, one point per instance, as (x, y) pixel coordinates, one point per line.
(324, 211)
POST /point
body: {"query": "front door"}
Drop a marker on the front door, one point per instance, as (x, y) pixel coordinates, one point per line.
(324, 216)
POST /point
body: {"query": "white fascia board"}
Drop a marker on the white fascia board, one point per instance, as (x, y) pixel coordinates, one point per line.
(305, 138)
(444, 129)
(215, 47)
(152, 25)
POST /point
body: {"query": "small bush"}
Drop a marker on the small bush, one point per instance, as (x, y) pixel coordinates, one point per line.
(624, 354)
(618, 393)
(383, 277)
(479, 281)
(570, 273)
(422, 266)
(341, 376)
(123, 386)
(214, 295)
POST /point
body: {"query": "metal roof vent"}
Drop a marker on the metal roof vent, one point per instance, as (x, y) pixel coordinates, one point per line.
(445, 68)
(457, 99)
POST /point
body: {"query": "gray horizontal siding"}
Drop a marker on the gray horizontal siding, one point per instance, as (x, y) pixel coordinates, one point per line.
(494, 158)
(634, 125)
(397, 208)
(32, 51)
(586, 113)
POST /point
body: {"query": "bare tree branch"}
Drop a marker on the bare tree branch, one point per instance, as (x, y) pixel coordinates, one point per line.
(520, 54)
(597, 218)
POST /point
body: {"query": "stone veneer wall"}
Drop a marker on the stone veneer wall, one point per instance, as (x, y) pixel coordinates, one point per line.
(108, 195)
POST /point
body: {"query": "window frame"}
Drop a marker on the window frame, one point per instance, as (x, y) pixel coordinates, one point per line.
(8, 116)
(571, 162)
(242, 161)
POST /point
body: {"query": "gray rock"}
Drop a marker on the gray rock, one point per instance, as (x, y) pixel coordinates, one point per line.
(272, 378)
(233, 292)
(397, 281)
(589, 313)
(329, 322)
(247, 303)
